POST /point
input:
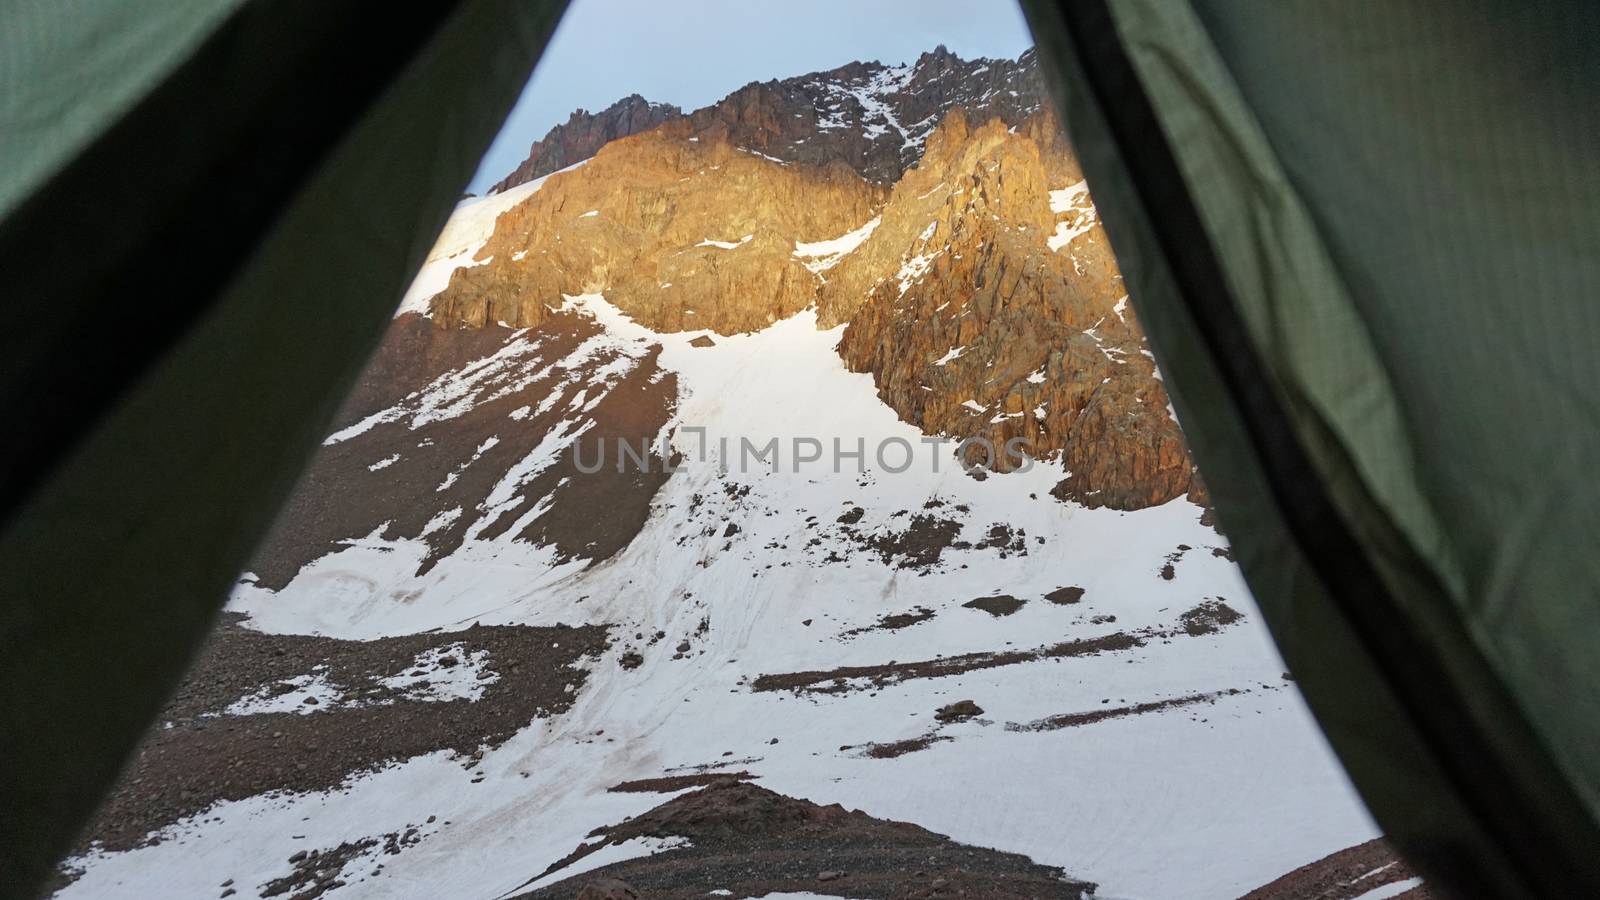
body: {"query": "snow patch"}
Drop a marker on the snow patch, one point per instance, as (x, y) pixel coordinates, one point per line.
(824, 255)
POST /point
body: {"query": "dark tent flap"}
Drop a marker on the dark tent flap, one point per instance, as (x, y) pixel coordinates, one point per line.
(239, 314)
(1367, 267)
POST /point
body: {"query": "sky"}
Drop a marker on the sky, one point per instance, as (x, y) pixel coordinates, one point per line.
(694, 52)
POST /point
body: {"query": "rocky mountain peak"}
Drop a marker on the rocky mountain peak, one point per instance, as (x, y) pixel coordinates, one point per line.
(870, 116)
(987, 304)
(584, 133)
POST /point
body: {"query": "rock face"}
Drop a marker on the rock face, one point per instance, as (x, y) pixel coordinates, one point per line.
(987, 304)
(681, 231)
(933, 209)
(584, 133)
(871, 117)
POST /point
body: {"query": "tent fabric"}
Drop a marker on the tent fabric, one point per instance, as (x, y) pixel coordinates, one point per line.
(70, 66)
(1363, 241)
(194, 277)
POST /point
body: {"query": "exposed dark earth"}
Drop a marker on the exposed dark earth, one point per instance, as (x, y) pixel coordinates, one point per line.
(199, 754)
(1207, 618)
(748, 841)
(1350, 873)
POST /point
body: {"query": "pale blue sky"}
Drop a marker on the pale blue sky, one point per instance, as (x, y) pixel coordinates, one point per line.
(694, 52)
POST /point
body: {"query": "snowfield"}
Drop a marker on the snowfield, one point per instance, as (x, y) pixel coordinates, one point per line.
(1197, 798)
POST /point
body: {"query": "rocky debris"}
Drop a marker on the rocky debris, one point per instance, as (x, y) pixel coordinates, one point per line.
(1004, 538)
(959, 711)
(667, 784)
(893, 749)
(608, 889)
(198, 757)
(749, 842)
(920, 545)
(850, 678)
(1072, 720)
(1168, 568)
(894, 621)
(317, 871)
(1353, 872)
(584, 133)
(997, 605)
(853, 678)
(1209, 617)
(703, 340)
(1065, 596)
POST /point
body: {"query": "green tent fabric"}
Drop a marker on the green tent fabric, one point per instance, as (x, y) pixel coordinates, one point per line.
(210, 213)
(1365, 242)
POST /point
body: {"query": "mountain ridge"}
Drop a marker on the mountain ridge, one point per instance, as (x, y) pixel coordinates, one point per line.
(868, 104)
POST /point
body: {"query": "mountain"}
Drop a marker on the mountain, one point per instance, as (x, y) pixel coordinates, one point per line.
(872, 117)
(583, 134)
(980, 290)
(644, 557)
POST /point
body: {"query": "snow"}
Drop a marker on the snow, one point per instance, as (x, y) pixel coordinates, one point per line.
(1073, 200)
(824, 255)
(1392, 889)
(912, 269)
(633, 848)
(463, 236)
(590, 214)
(428, 678)
(1194, 802)
(521, 358)
(1068, 198)
(726, 245)
(954, 353)
(871, 94)
(764, 156)
(313, 686)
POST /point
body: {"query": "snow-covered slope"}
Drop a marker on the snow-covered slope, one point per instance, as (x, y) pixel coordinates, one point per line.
(802, 625)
